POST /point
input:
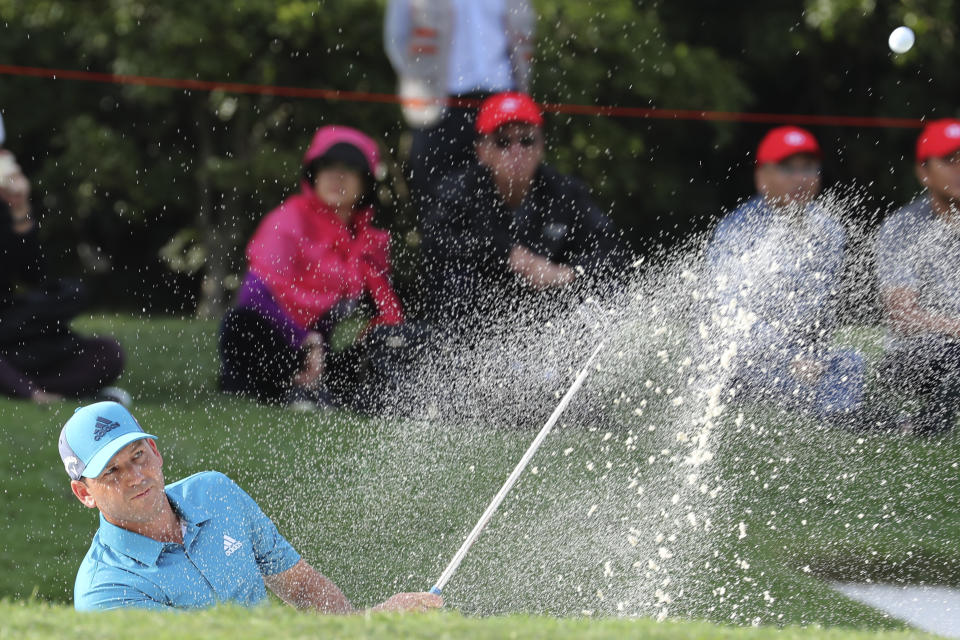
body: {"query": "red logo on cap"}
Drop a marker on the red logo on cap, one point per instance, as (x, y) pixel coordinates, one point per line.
(795, 138)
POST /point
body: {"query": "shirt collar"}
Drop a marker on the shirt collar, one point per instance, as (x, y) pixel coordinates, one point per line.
(139, 547)
(147, 550)
(193, 514)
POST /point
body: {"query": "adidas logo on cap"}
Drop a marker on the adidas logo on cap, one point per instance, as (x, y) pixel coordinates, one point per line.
(104, 426)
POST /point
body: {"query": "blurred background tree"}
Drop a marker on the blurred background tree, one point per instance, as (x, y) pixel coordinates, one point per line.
(153, 191)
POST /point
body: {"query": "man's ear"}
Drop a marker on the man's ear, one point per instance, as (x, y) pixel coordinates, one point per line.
(82, 492)
(153, 445)
(920, 169)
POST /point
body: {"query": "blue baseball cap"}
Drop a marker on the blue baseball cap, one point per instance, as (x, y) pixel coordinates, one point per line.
(93, 435)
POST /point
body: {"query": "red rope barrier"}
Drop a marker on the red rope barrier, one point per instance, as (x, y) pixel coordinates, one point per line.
(366, 96)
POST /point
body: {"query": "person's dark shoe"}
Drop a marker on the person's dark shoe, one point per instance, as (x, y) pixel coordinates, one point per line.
(309, 399)
(115, 394)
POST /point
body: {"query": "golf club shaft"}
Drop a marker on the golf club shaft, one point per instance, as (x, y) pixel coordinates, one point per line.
(512, 479)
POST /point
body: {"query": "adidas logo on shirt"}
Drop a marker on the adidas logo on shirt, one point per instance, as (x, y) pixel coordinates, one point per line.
(230, 545)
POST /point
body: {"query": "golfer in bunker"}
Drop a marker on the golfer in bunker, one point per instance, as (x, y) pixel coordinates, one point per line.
(190, 544)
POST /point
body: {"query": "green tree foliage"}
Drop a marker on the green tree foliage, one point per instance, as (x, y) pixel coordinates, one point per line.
(621, 53)
(155, 190)
(186, 173)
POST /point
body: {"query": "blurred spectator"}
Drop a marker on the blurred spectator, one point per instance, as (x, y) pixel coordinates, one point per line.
(775, 263)
(917, 261)
(511, 226)
(461, 49)
(41, 358)
(318, 281)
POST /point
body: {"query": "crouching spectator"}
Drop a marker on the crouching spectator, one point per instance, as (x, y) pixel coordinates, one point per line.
(41, 358)
(917, 261)
(774, 264)
(317, 286)
(509, 230)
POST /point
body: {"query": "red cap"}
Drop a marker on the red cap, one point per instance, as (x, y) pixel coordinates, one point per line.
(507, 107)
(939, 138)
(783, 142)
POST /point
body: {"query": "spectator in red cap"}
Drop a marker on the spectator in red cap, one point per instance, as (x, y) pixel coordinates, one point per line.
(917, 263)
(788, 167)
(510, 224)
(775, 263)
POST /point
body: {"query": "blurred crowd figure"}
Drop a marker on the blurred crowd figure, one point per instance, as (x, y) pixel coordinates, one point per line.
(41, 357)
(317, 295)
(318, 323)
(917, 260)
(779, 258)
(463, 50)
(509, 229)
(776, 264)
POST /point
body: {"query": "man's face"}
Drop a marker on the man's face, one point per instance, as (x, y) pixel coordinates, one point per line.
(512, 153)
(941, 177)
(130, 489)
(793, 180)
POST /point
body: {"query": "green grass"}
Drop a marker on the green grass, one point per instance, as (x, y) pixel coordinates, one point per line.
(381, 508)
(46, 621)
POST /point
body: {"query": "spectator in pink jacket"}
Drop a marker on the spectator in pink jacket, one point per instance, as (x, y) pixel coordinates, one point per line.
(317, 266)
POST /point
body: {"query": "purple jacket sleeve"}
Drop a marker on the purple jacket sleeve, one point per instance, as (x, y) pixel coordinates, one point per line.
(255, 296)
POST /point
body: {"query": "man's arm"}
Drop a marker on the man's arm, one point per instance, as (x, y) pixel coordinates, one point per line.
(902, 307)
(106, 595)
(537, 271)
(304, 587)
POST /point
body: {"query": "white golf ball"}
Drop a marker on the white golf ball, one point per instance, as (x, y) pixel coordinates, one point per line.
(901, 39)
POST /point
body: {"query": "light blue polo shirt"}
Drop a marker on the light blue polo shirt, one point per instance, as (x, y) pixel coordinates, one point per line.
(228, 546)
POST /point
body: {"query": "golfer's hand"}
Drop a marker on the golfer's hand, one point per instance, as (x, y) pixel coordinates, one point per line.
(417, 602)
